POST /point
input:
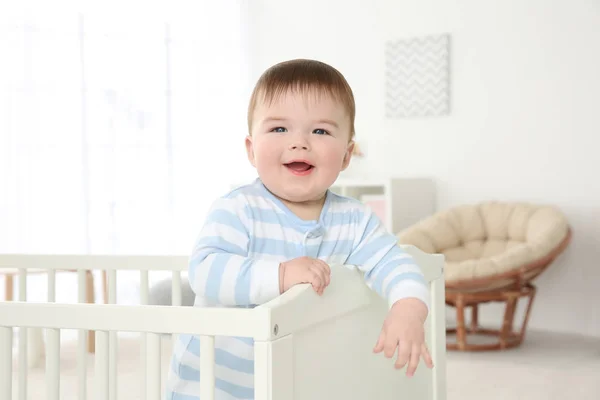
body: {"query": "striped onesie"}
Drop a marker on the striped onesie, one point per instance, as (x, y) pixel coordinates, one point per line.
(235, 263)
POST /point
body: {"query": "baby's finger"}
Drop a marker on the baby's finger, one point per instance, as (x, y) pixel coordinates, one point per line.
(327, 270)
(379, 345)
(414, 360)
(315, 287)
(403, 354)
(426, 356)
(322, 266)
(319, 274)
(389, 345)
(315, 280)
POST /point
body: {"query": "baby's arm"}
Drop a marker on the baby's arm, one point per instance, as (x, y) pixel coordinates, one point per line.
(220, 269)
(388, 269)
(393, 273)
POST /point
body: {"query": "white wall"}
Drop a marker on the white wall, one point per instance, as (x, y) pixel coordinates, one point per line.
(525, 112)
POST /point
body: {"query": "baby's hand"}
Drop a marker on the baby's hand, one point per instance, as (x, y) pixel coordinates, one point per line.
(403, 328)
(304, 270)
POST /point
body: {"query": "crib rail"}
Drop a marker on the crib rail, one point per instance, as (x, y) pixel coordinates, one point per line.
(107, 319)
(94, 262)
(25, 266)
(138, 318)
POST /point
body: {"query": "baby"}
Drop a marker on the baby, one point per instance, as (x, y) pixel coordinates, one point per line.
(287, 227)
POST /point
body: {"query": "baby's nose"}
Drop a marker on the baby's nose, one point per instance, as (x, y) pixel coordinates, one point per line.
(297, 146)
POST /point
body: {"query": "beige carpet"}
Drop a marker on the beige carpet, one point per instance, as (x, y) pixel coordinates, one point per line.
(547, 367)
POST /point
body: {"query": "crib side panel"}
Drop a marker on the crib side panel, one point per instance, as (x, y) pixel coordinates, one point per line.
(273, 369)
(436, 323)
(432, 266)
(334, 359)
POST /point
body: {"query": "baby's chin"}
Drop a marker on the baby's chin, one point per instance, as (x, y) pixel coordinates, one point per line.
(300, 195)
(306, 199)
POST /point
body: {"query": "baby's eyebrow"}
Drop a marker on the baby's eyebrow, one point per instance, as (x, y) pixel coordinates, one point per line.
(273, 119)
(282, 119)
(328, 121)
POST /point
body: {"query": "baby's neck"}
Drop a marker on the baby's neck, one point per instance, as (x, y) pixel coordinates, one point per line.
(307, 210)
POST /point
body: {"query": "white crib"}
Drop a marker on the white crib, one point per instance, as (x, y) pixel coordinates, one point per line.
(306, 346)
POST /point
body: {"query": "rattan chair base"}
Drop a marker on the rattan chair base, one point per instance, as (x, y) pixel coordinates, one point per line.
(507, 336)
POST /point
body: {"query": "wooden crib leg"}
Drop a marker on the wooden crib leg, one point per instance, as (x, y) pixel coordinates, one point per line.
(90, 299)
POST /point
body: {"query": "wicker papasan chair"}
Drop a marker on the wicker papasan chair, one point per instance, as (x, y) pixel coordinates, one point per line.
(493, 251)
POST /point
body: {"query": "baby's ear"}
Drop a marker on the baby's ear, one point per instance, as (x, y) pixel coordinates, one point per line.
(250, 150)
(348, 155)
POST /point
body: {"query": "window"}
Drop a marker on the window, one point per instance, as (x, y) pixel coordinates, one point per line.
(119, 128)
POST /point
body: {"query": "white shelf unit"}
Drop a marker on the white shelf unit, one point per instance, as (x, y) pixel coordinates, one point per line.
(407, 200)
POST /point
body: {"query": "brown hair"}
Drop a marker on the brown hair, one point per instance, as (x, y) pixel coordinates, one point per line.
(303, 76)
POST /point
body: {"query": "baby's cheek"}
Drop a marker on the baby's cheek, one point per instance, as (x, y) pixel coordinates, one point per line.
(334, 160)
(268, 153)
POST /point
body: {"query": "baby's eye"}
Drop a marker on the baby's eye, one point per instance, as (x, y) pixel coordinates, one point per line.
(321, 132)
(278, 129)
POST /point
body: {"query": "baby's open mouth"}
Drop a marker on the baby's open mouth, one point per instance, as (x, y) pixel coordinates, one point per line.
(299, 167)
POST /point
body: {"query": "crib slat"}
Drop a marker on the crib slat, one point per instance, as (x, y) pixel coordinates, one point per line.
(23, 339)
(261, 368)
(153, 378)
(51, 286)
(176, 295)
(207, 367)
(82, 338)
(112, 338)
(22, 284)
(144, 288)
(82, 341)
(101, 366)
(144, 285)
(112, 286)
(112, 364)
(52, 348)
(53, 364)
(6, 342)
(176, 288)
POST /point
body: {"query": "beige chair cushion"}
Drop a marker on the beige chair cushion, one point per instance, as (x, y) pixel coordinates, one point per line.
(489, 238)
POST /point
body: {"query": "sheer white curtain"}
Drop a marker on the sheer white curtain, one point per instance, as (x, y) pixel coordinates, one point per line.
(118, 128)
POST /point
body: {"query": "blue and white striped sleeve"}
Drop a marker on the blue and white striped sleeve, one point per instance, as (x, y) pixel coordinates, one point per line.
(387, 268)
(219, 267)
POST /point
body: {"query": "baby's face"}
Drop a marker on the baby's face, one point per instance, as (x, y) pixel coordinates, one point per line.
(299, 144)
